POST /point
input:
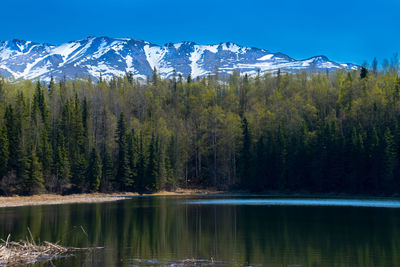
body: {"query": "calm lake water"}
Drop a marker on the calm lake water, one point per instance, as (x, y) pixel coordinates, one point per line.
(210, 231)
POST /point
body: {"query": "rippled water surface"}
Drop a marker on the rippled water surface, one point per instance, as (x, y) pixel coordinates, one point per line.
(210, 231)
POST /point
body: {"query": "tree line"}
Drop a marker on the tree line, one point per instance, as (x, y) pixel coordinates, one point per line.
(333, 132)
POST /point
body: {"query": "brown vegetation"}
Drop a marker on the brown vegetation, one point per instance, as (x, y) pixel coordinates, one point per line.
(28, 252)
(51, 199)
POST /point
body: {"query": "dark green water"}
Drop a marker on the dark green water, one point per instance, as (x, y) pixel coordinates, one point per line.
(158, 231)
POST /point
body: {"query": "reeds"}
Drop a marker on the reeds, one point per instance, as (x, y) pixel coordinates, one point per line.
(28, 252)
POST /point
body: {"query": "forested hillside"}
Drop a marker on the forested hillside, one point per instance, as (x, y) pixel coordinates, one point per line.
(306, 132)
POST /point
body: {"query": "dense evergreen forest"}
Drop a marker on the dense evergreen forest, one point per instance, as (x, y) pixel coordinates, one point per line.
(307, 132)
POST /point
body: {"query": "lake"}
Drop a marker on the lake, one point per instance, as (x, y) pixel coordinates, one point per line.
(216, 231)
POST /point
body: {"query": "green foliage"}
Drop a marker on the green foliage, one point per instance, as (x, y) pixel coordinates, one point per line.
(390, 159)
(94, 172)
(34, 183)
(151, 175)
(124, 175)
(311, 132)
(4, 152)
(246, 156)
(363, 73)
(107, 171)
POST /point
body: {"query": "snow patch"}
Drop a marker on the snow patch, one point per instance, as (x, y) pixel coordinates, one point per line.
(65, 49)
(106, 71)
(211, 48)
(234, 48)
(129, 60)
(194, 58)
(266, 57)
(177, 46)
(155, 56)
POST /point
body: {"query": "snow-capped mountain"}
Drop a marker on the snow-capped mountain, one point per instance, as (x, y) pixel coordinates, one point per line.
(116, 56)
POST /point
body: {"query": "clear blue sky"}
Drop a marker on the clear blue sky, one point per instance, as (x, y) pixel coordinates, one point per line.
(343, 30)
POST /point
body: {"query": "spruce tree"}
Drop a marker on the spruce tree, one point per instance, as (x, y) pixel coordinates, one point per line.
(52, 86)
(78, 147)
(151, 174)
(363, 73)
(85, 122)
(244, 90)
(13, 136)
(389, 161)
(35, 183)
(45, 151)
(132, 154)
(141, 165)
(246, 156)
(61, 165)
(107, 170)
(4, 152)
(94, 173)
(123, 178)
(155, 76)
(260, 168)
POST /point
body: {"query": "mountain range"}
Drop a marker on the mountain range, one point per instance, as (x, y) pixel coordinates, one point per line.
(95, 56)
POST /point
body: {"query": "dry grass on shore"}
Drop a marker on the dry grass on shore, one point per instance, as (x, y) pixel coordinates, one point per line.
(52, 199)
(28, 252)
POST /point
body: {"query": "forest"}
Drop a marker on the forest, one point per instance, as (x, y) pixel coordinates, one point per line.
(334, 132)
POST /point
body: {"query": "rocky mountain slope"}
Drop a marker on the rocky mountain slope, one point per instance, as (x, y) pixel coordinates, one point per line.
(116, 56)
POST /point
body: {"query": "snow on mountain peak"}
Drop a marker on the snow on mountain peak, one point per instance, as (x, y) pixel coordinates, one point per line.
(107, 56)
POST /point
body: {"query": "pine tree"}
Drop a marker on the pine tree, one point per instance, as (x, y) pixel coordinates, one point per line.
(85, 122)
(94, 173)
(363, 73)
(52, 86)
(45, 151)
(171, 163)
(278, 79)
(13, 136)
(77, 147)
(107, 170)
(389, 161)
(132, 154)
(17, 160)
(282, 158)
(162, 166)
(151, 174)
(155, 76)
(260, 168)
(129, 77)
(124, 177)
(141, 165)
(36, 180)
(61, 165)
(246, 156)
(243, 94)
(4, 152)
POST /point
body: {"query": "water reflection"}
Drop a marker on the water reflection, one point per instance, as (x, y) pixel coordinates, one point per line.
(300, 202)
(168, 232)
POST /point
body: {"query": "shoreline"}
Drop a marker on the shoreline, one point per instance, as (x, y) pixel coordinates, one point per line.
(52, 199)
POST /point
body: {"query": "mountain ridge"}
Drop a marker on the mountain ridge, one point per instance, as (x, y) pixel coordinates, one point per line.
(106, 56)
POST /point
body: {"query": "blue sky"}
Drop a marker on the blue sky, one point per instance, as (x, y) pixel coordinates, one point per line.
(345, 31)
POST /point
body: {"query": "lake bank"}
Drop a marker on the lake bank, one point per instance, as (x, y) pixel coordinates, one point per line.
(52, 199)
